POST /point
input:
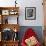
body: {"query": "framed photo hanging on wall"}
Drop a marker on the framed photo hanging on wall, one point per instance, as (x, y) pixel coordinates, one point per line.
(30, 13)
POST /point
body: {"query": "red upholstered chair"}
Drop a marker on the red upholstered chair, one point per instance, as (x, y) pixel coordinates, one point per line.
(29, 33)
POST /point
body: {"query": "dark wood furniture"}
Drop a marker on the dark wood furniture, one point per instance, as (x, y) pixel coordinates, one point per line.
(4, 13)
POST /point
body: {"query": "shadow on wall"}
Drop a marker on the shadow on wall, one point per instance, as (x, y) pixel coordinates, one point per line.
(37, 29)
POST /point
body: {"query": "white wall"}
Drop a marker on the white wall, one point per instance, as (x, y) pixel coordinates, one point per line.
(27, 3)
(39, 12)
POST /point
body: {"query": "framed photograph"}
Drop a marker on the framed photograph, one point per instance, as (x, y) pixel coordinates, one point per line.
(5, 12)
(30, 13)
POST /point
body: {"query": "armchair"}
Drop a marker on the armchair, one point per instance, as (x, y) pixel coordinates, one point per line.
(30, 38)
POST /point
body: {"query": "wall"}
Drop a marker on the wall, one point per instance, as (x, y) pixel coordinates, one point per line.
(39, 12)
(27, 3)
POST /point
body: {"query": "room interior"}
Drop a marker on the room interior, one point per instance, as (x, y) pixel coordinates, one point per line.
(17, 16)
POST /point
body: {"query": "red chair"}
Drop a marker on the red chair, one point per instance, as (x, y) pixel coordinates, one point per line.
(29, 33)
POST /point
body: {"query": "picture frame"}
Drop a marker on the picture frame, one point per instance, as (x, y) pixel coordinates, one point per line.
(30, 13)
(5, 12)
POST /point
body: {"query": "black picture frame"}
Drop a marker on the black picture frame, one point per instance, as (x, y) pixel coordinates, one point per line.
(30, 13)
